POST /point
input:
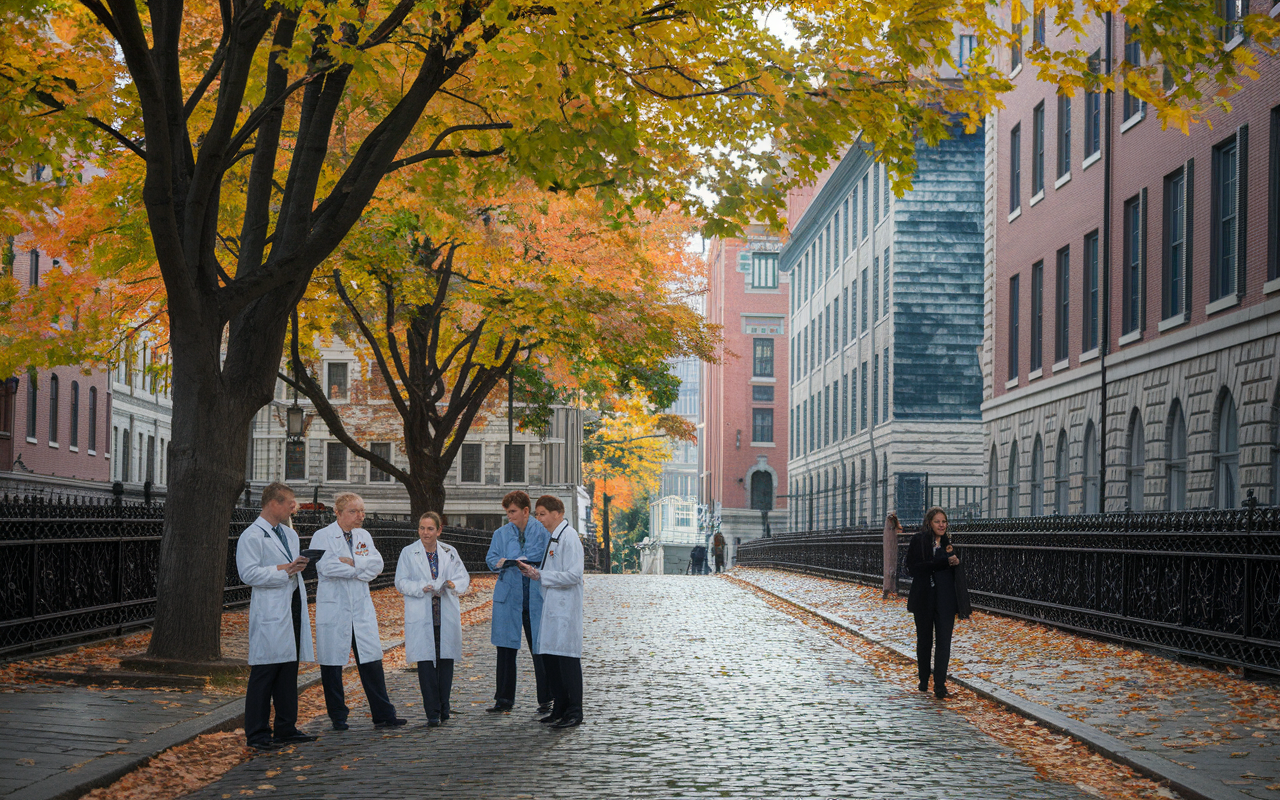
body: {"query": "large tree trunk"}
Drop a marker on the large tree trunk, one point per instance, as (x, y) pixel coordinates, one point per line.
(426, 483)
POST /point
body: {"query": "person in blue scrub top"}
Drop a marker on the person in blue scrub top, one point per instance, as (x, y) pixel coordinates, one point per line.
(515, 607)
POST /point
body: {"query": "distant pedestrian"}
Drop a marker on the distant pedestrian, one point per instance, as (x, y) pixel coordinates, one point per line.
(431, 576)
(892, 530)
(698, 560)
(933, 601)
(269, 559)
(717, 547)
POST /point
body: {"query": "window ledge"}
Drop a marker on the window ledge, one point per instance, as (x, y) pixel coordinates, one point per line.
(1173, 322)
(1275, 10)
(1238, 39)
(1274, 284)
(1012, 383)
(1016, 71)
(1061, 365)
(1134, 120)
(1037, 197)
(1131, 337)
(764, 444)
(1035, 373)
(92, 452)
(1222, 304)
(32, 440)
(1089, 355)
(1062, 181)
(1014, 214)
(762, 379)
(1091, 160)
(73, 449)
(54, 445)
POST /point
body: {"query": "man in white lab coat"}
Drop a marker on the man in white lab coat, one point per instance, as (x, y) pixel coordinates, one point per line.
(345, 617)
(269, 560)
(558, 639)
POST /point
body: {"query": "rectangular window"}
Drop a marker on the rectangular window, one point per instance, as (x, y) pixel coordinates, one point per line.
(762, 361)
(1037, 315)
(764, 270)
(844, 407)
(826, 334)
(1232, 13)
(968, 43)
(1015, 50)
(337, 380)
(1089, 332)
(825, 414)
(885, 184)
(862, 414)
(1133, 55)
(835, 325)
(1273, 209)
(1037, 149)
(151, 459)
(1227, 253)
(471, 468)
(513, 460)
(1093, 112)
(866, 202)
(875, 389)
(335, 461)
(1175, 243)
(875, 195)
(1038, 27)
(1064, 135)
(762, 394)
(844, 339)
(866, 290)
(762, 425)
(382, 450)
(295, 461)
(75, 414)
(853, 402)
(1062, 319)
(875, 287)
(1013, 327)
(1131, 300)
(884, 389)
(32, 396)
(843, 232)
(53, 409)
(886, 281)
(1015, 169)
(853, 216)
(33, 276)
(93, 419)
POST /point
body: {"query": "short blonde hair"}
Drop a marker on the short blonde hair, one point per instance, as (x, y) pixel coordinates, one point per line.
(276, 491)
(345, 499)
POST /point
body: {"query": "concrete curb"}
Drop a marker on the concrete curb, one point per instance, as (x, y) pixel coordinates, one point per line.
(1185, 781)
(106, 770)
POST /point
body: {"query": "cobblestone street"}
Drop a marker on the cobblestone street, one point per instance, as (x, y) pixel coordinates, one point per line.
(694, 688)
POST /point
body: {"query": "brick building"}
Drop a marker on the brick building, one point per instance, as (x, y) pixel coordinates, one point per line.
(1168, 309)
(744, 397)
(54, 430)
(886, 320)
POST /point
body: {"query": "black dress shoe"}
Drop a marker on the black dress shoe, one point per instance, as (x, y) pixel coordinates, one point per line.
(924, 685)
(942, 695)
(570, 721)
(433, 723)
(297, 738)
(497, 709)
(391, 723)
(551, 720)
(340, 725)
(263, 746)
(543, 708)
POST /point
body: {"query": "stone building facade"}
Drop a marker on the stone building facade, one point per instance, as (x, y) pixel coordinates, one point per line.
(744, 397)
(141, 415)
(886, 321)
(1130, 362)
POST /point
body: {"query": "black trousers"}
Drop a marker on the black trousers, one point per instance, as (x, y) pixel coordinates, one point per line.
(436, 682)
(564, 674)
(371, 678)
(274, 683)
(505, 695)
(926, 625)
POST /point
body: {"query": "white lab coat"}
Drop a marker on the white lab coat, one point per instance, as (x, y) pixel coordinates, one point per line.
(271, 635)
(560, 633)
(413, 572)
(343, 603)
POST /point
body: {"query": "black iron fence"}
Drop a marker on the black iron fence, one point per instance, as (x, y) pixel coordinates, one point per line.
(1199, 583)
(72, 571)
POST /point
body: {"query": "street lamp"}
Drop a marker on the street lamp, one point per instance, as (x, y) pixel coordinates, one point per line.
(295, 421)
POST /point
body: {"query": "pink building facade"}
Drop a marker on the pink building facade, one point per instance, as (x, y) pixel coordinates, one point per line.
(744, 397)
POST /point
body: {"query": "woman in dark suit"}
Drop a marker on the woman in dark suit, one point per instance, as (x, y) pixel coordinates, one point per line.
(931, 562)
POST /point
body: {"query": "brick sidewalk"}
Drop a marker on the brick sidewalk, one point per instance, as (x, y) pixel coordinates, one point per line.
(1224, 727)
(60, 735)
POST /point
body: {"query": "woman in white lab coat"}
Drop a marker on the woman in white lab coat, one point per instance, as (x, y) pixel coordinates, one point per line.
(431, 576)
(559, 637)
(345, 616)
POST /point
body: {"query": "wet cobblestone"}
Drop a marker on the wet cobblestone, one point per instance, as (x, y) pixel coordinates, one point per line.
(694, 688)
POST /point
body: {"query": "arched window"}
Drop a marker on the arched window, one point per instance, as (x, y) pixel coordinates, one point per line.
(53, 409)
(1037, 478)
(75, 414)
(1011, 483)
(1091, 471)
(993, 467)
(761, 491)
(1176, 485)
(1061, 476)
(1226, 455)
(1137, 463)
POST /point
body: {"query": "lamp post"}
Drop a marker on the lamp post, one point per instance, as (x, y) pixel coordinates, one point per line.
(295, 421)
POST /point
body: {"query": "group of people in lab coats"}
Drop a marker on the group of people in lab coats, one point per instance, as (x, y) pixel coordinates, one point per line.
(539, 560)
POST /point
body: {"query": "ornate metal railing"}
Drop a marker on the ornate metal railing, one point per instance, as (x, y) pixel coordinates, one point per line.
(1200, 583)
(69, 572)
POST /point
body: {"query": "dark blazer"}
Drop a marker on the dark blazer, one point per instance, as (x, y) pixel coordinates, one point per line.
(922, 563)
